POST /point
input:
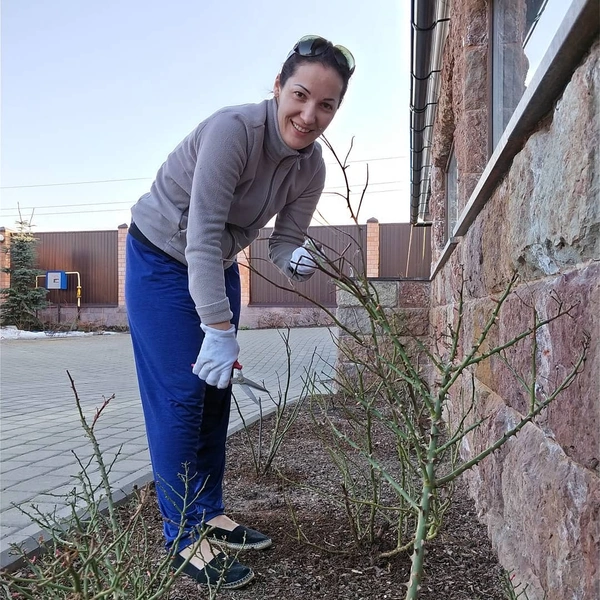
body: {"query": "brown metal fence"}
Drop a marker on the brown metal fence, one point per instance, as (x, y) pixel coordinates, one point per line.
(345, 241)
(93, 254)
(404, 251)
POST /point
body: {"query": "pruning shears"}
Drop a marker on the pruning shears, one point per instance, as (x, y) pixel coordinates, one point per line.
(239, 378)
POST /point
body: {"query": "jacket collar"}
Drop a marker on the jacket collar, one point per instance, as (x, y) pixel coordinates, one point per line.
(276, 148)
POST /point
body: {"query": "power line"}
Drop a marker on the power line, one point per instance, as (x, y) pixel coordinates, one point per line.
(130, 203)
(108, 210)
(68, 212)
(38, 185)
(369, 193)
(98, 181)
(331, 164)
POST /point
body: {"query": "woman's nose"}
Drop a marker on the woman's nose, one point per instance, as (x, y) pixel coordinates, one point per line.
(308, 114)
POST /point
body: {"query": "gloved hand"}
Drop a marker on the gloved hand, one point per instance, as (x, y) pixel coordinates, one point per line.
(219, 351)
(305, 259)
(302, 262)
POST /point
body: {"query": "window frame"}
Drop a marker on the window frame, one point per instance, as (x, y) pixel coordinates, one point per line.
(451, 202)
(572, 41)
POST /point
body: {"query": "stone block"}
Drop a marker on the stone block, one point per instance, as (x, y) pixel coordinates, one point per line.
(345, 299)
(471, 141)
(355, 319)
(409, 321)
(473, 22)
(387, 292)
(414, 294)
(476, 77)
(551, 502)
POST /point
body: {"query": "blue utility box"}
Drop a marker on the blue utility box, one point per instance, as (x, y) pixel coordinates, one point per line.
(56, 280)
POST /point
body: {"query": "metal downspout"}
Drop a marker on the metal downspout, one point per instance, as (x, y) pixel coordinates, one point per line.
(429, 27)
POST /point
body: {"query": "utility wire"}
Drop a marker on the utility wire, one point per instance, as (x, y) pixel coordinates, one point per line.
(38, 212)
(129, 202)
(39, 185)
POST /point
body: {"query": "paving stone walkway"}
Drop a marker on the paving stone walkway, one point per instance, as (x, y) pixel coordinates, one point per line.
(40, 430)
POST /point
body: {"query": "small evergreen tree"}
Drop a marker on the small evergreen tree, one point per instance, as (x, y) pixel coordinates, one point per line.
(22, 299)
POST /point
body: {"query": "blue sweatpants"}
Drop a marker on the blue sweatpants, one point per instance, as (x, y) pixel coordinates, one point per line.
(186, 420)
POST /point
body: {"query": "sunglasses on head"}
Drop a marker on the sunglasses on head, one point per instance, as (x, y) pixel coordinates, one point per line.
(314, 45)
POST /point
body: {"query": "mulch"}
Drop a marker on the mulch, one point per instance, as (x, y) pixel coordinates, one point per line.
(460, 563)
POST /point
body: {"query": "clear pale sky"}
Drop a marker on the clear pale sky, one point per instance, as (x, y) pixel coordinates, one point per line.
(104, 90)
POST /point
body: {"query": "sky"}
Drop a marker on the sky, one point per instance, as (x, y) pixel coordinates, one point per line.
(94, 92)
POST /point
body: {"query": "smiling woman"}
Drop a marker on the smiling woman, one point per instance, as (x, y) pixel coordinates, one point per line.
(310, 89)
(307, 102)
(234, 172)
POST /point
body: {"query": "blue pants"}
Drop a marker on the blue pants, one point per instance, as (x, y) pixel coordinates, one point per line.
(186, 420)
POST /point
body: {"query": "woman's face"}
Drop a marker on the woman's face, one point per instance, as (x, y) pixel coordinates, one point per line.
(307, 103)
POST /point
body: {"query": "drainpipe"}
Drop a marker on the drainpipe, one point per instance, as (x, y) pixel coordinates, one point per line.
(429, 29)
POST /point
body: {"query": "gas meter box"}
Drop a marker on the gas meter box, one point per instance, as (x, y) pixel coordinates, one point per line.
(56, 280)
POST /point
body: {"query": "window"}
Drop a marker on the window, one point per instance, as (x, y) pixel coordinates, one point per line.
(451, 194)
(521, 33)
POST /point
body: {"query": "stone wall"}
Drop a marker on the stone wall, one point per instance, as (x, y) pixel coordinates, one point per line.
(540, 494)
(406, 304)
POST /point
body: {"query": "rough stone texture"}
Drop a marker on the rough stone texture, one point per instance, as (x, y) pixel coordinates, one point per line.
(268, 317)
(386, 290)
(413, 294)
(406, 322)
(540, 494)
(96, 316)
(461, 116)
(542, 509)
(475, 82)
(406, 304)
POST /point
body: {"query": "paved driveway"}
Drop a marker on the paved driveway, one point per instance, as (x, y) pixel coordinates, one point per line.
(40, 428)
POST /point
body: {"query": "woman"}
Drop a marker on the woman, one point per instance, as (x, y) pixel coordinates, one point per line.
(224, 181)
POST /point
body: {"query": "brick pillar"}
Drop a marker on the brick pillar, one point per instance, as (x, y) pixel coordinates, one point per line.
(243, 262)
(372, 247)
(4, 258)
(121, 239)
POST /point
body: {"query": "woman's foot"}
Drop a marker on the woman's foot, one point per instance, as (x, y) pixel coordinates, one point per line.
(225, 532)
(210, 568)
(222, 522)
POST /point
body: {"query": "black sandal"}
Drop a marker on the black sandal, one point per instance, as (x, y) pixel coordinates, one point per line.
(223, 570)
(241, 538)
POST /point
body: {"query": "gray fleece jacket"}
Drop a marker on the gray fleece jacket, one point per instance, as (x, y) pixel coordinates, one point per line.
(215, 191)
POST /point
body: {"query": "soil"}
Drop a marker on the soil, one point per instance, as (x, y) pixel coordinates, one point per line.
(321, 562)
(460, 563)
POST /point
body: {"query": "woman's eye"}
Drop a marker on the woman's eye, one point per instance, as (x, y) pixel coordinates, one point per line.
(327, 106)
(299, 94)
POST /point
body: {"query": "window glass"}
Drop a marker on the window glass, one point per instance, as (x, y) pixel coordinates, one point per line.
(451, 195)
(522, 32)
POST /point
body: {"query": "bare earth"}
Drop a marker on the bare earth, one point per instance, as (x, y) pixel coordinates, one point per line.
(460, 564)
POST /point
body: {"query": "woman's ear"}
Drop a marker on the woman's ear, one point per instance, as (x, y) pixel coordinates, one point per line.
(277, 87)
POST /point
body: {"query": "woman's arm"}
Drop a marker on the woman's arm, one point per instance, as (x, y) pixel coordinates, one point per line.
(221, 157)
(291, 225)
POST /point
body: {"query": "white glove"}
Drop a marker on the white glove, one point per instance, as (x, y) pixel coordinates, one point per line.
(302, 262)
(303, 259)
(219, 351)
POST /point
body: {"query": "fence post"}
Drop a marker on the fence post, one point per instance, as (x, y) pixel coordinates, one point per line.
(4, 259)
(372, 247)
(121, 241)
(243, 263)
